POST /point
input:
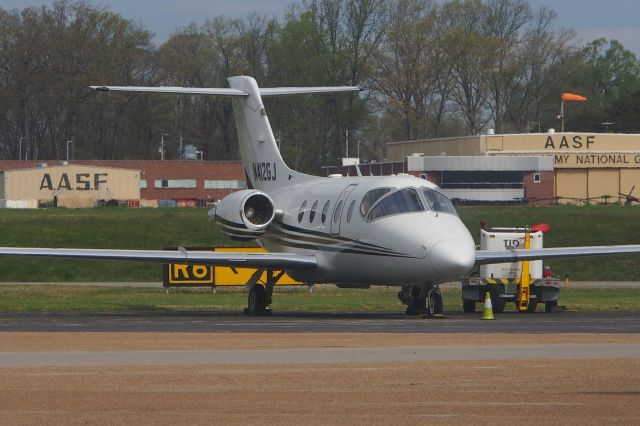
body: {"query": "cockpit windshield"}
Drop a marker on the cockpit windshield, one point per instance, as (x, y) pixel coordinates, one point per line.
(438, 202)
(370, 199)
(402, 201)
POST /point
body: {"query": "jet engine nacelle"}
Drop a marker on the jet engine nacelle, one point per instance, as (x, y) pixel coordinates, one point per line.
(244, 215)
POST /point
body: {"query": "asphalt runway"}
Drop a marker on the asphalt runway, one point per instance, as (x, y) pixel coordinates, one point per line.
(216, 322)
(319, 368)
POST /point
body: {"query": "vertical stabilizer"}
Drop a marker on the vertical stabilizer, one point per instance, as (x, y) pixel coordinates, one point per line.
(263, 165)
(261, 160)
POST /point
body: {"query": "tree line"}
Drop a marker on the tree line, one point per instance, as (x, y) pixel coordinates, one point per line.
(429, 69)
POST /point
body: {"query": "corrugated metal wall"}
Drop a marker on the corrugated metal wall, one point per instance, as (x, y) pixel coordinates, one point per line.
(45, 183)
(419, 163)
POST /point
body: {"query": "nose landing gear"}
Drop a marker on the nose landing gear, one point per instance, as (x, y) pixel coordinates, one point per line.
(422, 300)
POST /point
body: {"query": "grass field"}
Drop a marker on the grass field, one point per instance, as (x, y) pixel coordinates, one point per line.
(158, 228)
(51, 298)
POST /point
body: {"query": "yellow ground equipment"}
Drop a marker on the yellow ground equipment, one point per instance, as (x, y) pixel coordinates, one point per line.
(524, 293)
(520, 282)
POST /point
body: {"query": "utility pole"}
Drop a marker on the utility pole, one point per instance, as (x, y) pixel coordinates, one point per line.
(162, 146)
(68, 142)
(347, 142)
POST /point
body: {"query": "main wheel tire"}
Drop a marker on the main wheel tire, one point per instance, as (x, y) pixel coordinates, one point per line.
(469, 306)
(257, 301)
(418, 306)
(497, 304)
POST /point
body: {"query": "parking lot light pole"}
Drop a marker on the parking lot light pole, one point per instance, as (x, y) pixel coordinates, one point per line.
(68, 142)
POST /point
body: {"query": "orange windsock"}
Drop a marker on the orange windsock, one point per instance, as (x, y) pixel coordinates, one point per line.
(572, 97)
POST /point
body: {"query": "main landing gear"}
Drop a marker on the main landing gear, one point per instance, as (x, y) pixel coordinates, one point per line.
(422, 300)
(260, 294)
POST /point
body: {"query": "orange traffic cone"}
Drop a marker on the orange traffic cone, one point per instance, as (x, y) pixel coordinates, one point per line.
(487, 312)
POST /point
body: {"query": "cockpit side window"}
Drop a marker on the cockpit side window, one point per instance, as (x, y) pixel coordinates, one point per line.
(438, 202)
(370, 199)
(402, 201)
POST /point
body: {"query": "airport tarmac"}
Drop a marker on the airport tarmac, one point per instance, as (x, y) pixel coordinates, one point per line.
(301, 322)
(159, 284)
(303, 368)
(318, 378)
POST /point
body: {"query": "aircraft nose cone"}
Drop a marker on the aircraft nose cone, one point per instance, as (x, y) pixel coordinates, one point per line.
(452, 258)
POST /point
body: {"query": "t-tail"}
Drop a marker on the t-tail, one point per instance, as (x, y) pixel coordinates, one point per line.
(263, 165)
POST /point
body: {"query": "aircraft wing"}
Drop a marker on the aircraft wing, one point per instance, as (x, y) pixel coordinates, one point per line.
(503, 256)
(279, 261)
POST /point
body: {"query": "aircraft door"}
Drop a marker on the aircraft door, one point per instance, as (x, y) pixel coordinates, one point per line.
(339, 208)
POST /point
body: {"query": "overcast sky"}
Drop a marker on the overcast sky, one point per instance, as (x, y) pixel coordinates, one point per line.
(612, 19)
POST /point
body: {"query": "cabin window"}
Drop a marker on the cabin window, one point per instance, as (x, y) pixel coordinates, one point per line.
(312, 213)
(402, 201)
(350, 210)
(325, 210)
(438, 202)
(370, 199)
(301, 212)
(337, 211)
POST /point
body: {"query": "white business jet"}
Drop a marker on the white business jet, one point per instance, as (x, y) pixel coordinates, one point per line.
(352, 231)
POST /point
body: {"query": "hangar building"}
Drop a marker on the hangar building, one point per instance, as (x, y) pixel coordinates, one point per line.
(84, 183)
(68, 185)
(473, 179)
(587, 167)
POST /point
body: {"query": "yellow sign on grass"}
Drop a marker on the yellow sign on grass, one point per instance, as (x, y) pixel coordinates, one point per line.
(181, 275)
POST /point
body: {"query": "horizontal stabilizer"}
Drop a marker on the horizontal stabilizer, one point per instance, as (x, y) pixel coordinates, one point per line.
(504, 256)
(174, 90)
(278, 261)
(274, 91)
(279, 91)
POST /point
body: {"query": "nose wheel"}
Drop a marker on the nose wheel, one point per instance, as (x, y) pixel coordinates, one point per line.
(436, 306)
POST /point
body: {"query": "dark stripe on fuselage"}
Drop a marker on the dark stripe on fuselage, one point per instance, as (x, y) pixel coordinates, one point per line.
(242, 232)
(328, 243)
(344, 249)
(326, 235)
(364, 248)
(230, 224)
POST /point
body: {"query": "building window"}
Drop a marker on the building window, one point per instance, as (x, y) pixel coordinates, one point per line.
(143, 184)
(224, 184)
(537, 178)
(493, 179)
(174, 183)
